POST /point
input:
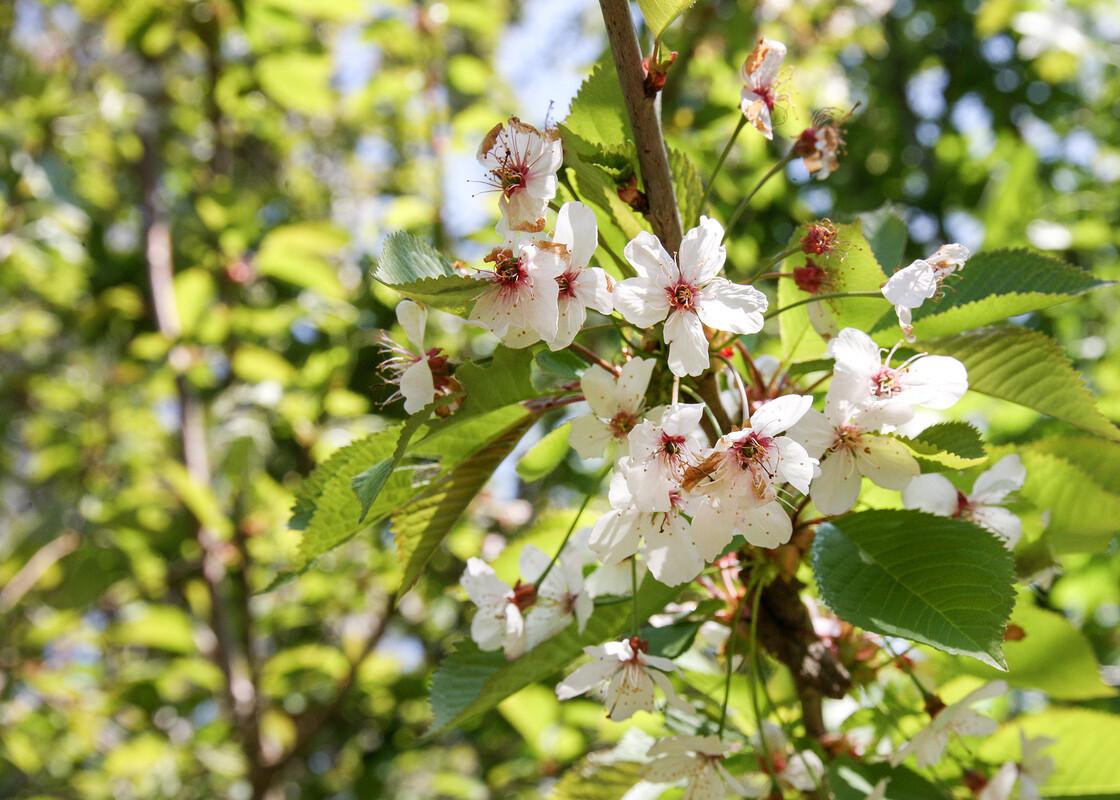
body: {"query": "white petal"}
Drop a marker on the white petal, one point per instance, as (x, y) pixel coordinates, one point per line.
(483, 587)
(767, 525)
(888, 462)
(488, 630)
(586, 678)
(650, 260)
(592, 287)
(533, 562)
(912, 285)
(813, 432)
(670, 768)
(936, 381)
(855, 352)
(601, 391)
(728, 306)
(795, 466)
(671, 697)
(804, 771)
(589, 436)
(670, 553)
(417, 386)
(1006, 476)
(642, 302)
(835, 490)
(756, 112)
(542, 623)
(633, 383)
(702, 254)
(780, 414)
(764, 62)
(682, 419)
(934, 494)
(711, 530)
(576, 228)
(1001, 785)
(630, 690)
(514, 639)
(570, 316)
(615, 535)
(688, 346)
(1001, 522)
(413, 317)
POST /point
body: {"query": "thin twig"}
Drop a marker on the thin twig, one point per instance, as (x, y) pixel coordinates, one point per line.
(722, 157)
(816, 298)
(742, 207)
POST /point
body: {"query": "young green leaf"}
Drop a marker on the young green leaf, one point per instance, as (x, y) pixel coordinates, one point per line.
(1028, 368)
(947, 445)
(943, 582)
(544, 456)
(660, 13)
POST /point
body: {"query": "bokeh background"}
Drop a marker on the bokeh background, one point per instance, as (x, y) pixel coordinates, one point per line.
(258, 151)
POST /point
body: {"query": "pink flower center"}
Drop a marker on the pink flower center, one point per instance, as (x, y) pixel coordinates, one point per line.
(751, 451)
(672, 448)
(885, 383)
(509, 271)
(683, 296)
(567, 284)
(767, 95)
(847, 438)
(621, 424)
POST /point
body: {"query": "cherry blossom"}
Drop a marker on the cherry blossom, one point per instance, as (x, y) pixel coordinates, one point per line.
(935, 494)
(819, 148)
(687, 294)
(424, 374)
(759, 95)
(928, 744)
(802, 770)
(864, 377)
(847, 442)
(521, 163)
(631, 675)
(520, 304)
(698, 760)
(579, 287)
(670, 547)
(737, 479)
(616, 406)
(660, 451)
(1030, 772)
(499, 622)
(912, 285)
(560, 596)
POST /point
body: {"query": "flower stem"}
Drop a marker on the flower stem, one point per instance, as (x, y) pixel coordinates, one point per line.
(634, 591)
(572, 527)
(591, 358)
(742, 207)
(773, 262)
(722, 157)
(817, 298)
(730, 662)
(765, 755)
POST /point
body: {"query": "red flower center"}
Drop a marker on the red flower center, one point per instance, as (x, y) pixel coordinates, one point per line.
(810, 278)
(682, 296)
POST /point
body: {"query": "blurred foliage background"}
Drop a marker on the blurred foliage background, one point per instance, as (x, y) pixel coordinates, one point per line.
(192, 195)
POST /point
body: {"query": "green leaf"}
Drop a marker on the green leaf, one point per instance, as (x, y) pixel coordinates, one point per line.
(406, 259)
(1084, 752)
(598, 781)
(660, 13)
(1028, 368)
(552, 369)
(1032, 661)
(298, 81)
(454, 294)
(302, 255)
(853, 780)
(470, 682)
(943, 582)
(887, 233)
(851, 267)
(597, 119)
(545, 456)
(420, 526)
(368, 484)
(1073, 479)
(689, 187)
(507, 378)
(618, 222)
(671, 640)
(948, 445)
(994, 286)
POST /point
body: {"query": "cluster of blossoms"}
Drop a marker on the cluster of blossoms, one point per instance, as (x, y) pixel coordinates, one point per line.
(681, 489)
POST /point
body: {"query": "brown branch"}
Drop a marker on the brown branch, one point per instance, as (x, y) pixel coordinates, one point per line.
(645, 121)
(29, 574)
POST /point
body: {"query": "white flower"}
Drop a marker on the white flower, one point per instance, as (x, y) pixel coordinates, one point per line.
(863, 377)
(687, 294)
(912, 285)
(659, 454)
(935, 494)
(560, 596)
(849, 449)
(1029, 772)
(421, 375)
(699, 761)
(759, 72)
(521, 163)
(616, 406)
(670, 549)
(631, 674)
(879, 790)
(737, 480)
(802, 770)
(520, 305)
(499, 622)
(820, 148)
(928, 744)
(580, 287)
